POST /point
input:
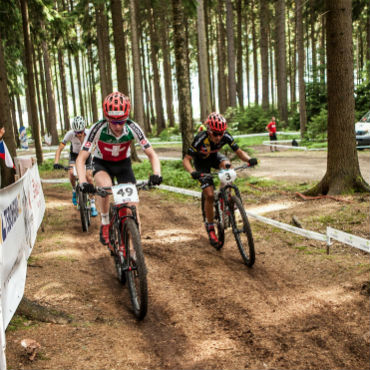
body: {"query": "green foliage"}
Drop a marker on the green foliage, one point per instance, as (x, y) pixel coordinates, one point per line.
(362, 99)
(316, 99)
(173, 173)
(167, 133)
(317, 128)
(249, 120)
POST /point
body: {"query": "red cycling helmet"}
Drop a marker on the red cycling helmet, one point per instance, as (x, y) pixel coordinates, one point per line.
(116, 106)
(216, 122)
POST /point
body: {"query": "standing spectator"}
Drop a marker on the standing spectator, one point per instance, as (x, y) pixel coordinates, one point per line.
(271, 128)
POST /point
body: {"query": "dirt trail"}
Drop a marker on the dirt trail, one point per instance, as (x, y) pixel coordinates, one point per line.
(297, 308)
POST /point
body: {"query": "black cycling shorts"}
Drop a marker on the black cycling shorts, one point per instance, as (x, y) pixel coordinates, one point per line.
(121, 170)
(273, 137)
(73, 157)
(205, 166)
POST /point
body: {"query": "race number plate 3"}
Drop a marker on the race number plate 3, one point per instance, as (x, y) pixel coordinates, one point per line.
(227, 176)
(125, 193)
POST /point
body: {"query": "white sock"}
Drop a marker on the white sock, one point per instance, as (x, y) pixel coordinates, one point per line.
(105, 218)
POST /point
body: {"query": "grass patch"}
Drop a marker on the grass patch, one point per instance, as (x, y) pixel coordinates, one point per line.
(19, 322)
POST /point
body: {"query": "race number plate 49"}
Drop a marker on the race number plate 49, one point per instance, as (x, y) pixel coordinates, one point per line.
(125, 193)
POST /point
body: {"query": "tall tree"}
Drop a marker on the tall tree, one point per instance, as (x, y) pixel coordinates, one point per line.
(166, 64)
(52, 113)
(255, 54)
(119, 40)
(221, 58)
(182, 73)
(135, 45)
(7, 175)
(264, 19)
(239, 57)
(281, 73)
(301, 58)
(343, 171)
(154, 50)
(30, 80)
(204, 88)
(230, 53)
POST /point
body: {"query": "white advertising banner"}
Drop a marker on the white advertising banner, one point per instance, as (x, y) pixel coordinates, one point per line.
(22, 207)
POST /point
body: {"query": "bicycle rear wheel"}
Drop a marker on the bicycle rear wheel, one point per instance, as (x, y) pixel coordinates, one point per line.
(84, 211)
(242, 230)
(219, 225)
(136, 272)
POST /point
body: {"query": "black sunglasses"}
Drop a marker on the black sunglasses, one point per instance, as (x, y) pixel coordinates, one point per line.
(217, 133)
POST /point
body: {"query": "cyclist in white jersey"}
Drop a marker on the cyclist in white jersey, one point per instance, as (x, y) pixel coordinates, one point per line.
(76, 136)
(109, 140)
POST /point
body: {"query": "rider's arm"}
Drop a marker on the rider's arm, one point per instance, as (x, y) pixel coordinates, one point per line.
(80, 165)
(57, 153)
(154, 160)
(242, 155)
(187, 163)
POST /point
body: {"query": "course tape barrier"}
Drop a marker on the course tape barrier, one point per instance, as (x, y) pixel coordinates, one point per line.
(22, 207)
(352, 240)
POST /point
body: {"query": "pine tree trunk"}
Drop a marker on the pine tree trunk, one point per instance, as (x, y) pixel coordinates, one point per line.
(255, 56)
(62, 74)
(368, 41)
(280, 50)
(301, 57)
(138, 90)
(7, 174)
(313, 17)
(239, 57)
(231, 53)
(264, 18)
(119, 40)
(79, 84)
(30, 80)
(246, 46)
(92, 85)
(19, 109)
(154, 49)
(166, 65)
(182, 73)
(204, 88)
(72, 83)
(343, 171)
(15, 126)
(222, 85)
(45, 127)
(52, 117)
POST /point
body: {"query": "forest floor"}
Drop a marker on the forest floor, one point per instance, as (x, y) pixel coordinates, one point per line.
(296, 308)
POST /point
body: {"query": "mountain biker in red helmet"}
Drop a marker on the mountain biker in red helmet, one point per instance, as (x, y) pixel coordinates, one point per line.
(204, 153)
(109, 140)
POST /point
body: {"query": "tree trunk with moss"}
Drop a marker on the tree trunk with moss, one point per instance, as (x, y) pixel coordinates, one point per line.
(343, 171)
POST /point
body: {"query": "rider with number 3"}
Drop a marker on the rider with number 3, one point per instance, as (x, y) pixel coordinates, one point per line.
(109, 139)
(204, 152)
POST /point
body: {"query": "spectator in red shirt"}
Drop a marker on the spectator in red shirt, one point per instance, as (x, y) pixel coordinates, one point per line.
(271, 128)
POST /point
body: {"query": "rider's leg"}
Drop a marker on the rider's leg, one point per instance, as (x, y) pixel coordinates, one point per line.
(208, 203)
(72, 180)
(102, 178)
(90, 180)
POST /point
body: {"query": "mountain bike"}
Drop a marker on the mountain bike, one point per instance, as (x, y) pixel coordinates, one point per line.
(125, 242)
(83, 201)
(229, 212)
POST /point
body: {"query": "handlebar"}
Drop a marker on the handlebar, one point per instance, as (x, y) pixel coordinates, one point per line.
(104, 191)
(215, 174)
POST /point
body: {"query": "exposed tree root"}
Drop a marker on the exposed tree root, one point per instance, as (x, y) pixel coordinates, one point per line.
(306, 197)
(34, 311)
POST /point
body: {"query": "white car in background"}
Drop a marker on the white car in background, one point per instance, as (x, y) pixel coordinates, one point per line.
(362, 129)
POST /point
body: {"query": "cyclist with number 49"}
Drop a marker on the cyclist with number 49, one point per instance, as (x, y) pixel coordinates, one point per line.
(204, 153)
(110, 140)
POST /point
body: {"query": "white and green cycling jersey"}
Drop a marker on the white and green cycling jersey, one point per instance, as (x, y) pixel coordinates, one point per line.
(105, 145)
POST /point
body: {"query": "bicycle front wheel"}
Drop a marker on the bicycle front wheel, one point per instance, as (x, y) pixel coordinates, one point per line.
(242, 230)
(84, 211)
(136, 272)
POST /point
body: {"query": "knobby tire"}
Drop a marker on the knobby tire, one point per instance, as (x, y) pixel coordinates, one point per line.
(137, 273)
(243, 236)
(82, 201)
(119, 261)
